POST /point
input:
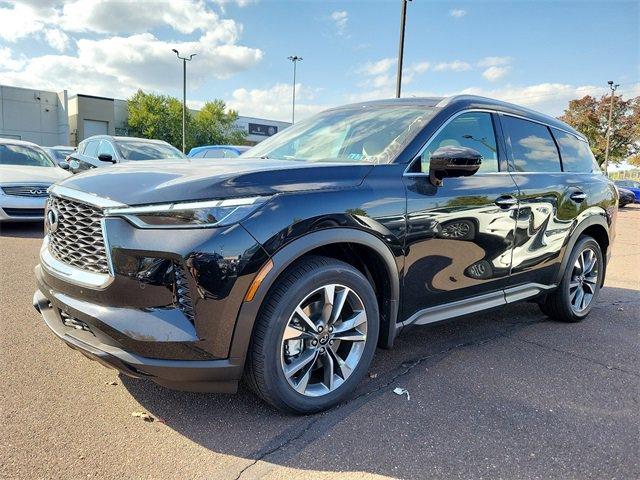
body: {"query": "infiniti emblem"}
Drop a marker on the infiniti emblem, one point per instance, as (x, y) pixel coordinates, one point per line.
(37, 192)
(52, 220)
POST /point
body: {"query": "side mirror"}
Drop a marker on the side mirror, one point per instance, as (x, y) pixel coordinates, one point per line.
(74, 165)
(63, 164)
(105, 157)
(453, 162)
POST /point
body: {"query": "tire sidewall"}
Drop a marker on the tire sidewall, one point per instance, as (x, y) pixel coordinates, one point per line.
(275, 378)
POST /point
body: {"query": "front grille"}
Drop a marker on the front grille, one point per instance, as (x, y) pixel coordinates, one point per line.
(24, 212)
(78, 239)
(37, 191)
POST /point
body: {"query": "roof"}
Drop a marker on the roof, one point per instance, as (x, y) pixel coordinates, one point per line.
(461, 102)
(112, 137)
(12, 141)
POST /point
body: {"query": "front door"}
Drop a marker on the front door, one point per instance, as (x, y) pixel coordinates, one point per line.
(459, 235)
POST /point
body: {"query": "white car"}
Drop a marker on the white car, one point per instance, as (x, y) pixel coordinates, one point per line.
(26, 172)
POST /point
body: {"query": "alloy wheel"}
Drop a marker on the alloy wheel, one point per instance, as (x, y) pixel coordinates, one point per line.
(324, 340)
(584, 280)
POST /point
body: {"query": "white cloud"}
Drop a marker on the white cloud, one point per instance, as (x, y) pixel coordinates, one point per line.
(117, 66)
(457, 13)
(494, 61)
(340, 18)
(7, 61)
(381, 75)
(377, 68)
(19, 21)
(275, 102)
(495, 73)
(455, 66)
(56, 39)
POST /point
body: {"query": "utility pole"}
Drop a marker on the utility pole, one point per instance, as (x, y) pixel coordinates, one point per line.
(403, 19)
(295, 59)
(606, 152)
(184, 95)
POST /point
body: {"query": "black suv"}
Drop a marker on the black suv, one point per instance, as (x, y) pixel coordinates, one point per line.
(288, 265)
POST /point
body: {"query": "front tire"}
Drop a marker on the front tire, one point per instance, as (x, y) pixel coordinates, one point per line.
(315, 336)
(580, 285)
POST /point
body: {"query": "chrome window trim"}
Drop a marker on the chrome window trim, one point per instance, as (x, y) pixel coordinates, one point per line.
(84, 197)
(95, 281)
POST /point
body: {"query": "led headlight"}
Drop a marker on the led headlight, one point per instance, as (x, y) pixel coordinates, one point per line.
(209, 213)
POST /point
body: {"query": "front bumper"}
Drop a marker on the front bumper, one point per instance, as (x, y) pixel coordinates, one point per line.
(21, 209)
(200, 375)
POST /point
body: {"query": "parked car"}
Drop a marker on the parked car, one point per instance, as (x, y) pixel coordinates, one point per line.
(218, 151)
(26, 172)
(327, 240)
(632, 186)
(59, 154)
(103, 150)
(626, 197)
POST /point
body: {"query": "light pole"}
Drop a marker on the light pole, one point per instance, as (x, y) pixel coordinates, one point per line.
(184, 95)
(403, 19)
(295, 59)
(606, 152)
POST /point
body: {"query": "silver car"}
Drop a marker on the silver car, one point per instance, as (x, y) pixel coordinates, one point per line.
(26, 172)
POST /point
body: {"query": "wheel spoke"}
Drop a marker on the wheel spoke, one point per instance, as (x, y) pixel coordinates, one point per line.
(305, 318)
(358, 319)
(574, 284)
(579, 297)
(329, 295)
(586, 299)
(343, 369)
(327, 361)
(338, 304)
(351, 336)
(308, 357)
(292, 333)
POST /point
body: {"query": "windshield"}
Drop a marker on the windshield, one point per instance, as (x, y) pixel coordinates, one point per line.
(23, 155)
(61, 154)
(135, 150)
(370, 133)
(628, 183)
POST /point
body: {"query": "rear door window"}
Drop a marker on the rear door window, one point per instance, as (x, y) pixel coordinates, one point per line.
(106, 148)
(532, 146)
(576, 154)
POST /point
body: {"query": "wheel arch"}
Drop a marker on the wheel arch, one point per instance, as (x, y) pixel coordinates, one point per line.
(596, 227)
(344, 244)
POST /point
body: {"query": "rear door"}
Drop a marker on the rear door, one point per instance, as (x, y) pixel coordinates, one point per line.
(550, 200)
(459, 235)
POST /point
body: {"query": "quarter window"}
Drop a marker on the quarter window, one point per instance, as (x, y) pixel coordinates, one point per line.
(532, 146)
(576, 154)
(91, 149)
(472, 130)
(107, 148)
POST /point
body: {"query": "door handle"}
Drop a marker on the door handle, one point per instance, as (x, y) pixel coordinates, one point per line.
(578, 196)
(506, 201)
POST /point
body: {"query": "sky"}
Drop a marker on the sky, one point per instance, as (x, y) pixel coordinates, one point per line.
(535, 53)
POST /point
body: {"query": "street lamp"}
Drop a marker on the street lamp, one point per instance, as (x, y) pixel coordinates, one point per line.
(295, 59)
(184, 95)
(403, 19)
(606, 152)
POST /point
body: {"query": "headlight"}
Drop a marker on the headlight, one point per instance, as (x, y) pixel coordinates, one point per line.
(210, 213)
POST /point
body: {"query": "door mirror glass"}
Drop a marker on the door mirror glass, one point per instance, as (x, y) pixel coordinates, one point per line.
(63, 164)
(453, 162)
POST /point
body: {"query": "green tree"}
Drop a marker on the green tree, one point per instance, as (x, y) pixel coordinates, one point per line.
(160, 117)
(590, 116)
(156, 116)
(215, 125)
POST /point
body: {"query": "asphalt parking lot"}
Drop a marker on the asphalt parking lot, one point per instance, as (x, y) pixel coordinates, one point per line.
(505, 394)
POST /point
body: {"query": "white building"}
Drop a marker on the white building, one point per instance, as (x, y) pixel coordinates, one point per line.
(49, 118)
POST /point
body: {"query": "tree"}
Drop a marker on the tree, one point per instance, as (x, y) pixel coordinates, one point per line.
(212, 125)
(160, 117)
(590, 116)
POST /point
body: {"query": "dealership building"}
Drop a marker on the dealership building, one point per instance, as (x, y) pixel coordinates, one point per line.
(54, 118)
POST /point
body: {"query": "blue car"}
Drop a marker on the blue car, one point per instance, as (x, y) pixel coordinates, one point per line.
(631, 185)
(218, 151)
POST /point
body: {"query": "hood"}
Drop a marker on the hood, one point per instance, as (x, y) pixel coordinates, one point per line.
(27, 175)
(136, 183)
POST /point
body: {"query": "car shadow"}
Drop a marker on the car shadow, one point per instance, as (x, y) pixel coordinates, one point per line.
(243, 426)
(22, 230)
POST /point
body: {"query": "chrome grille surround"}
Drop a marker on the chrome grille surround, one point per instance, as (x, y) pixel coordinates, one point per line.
(33, 191)
(78, 239)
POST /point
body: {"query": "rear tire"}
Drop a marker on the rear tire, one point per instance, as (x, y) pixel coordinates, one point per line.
(298, 323)
(580, 285)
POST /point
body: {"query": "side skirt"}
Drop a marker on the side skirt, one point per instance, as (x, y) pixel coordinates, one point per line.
(476, 304)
